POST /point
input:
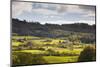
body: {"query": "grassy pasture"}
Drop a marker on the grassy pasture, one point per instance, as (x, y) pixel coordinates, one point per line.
(32, 51)
(61, 59)
(46, 47)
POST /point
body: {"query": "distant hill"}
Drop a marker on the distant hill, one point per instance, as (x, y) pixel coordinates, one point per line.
(49, 30)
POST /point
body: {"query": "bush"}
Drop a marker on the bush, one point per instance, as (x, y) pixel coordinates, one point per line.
(88, 54)
(40, 48)
(27, 59)
(51, 52)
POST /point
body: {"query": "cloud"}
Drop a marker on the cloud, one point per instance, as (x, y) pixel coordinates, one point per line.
(60, 8)
(88, 8)
(53, 12)
(44, 11)
(19, 7)
(54, 9)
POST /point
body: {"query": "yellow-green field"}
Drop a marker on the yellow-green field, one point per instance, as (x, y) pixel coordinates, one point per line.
(52, 50)
(62, 59)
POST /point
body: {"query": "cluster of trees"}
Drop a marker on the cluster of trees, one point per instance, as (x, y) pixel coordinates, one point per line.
(88, 54)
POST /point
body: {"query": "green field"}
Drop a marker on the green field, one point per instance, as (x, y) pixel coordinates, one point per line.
(62, 59)
(45, 50)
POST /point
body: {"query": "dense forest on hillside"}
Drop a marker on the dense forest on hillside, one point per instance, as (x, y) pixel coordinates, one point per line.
(49, 30)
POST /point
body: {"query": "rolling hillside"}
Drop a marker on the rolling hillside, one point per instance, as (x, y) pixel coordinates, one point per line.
(49, 30)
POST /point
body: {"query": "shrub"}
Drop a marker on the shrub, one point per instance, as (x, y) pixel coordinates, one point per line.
(27, 59)
(40, 48)
(22, 58)
(51, 52)
(88, 54)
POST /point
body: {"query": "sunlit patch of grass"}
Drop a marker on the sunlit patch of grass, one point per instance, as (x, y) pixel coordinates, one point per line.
(60, 59)
(77, 51)
(21, 37)
(74, 51)
(16, 43)
(32, 51)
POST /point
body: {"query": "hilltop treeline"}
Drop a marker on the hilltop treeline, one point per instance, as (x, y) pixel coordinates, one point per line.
(35, 28)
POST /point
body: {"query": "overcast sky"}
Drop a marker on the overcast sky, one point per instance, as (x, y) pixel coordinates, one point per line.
(53, 13)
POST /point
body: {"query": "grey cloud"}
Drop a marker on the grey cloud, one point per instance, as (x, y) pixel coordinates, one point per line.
(88, 8)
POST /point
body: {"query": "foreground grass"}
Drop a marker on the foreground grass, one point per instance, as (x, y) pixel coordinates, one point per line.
(60, 59)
